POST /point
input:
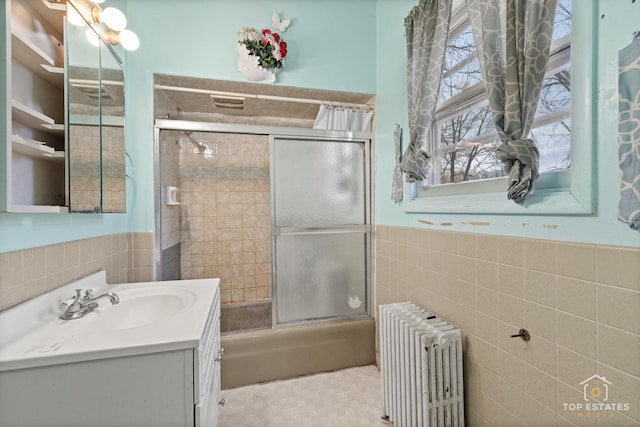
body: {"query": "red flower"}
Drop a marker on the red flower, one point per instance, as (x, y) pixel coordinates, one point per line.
(283, 45)
(266, 31)
(283, 52)
(276, 37)
(264, 41)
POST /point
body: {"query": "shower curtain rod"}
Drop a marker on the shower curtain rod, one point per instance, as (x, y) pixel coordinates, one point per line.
(239, 95)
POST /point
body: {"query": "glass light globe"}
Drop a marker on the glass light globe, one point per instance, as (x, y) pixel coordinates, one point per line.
(114, 19)
(74, 17)
(92, 37)
(129, 40)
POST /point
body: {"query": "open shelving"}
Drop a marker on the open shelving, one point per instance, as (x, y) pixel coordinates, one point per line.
(34, 173)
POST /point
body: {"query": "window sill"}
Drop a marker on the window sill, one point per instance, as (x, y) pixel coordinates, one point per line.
(551, 196)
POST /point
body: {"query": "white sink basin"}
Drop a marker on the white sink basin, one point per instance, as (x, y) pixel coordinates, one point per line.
(140, 307)
(150, 317)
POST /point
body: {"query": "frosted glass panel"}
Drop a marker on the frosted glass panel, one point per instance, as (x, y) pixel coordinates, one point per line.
(319, 183)
(320, 276)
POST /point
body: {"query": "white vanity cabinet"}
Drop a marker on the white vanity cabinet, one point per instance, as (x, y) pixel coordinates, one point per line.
(163, 381)
(33, 109)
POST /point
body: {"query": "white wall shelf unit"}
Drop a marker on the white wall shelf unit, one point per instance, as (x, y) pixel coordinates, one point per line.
(33, 159)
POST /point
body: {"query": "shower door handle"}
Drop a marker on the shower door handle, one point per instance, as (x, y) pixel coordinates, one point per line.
(279, 231)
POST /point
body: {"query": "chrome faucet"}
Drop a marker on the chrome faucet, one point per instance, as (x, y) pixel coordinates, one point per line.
(84, 305)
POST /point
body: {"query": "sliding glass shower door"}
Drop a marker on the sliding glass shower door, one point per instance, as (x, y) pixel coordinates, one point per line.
(320, 205)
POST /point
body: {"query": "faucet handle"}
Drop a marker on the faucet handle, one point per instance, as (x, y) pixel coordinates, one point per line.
(88, 294)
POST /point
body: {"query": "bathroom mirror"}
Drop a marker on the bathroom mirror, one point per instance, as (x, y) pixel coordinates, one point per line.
(112, 132)
(95, 124)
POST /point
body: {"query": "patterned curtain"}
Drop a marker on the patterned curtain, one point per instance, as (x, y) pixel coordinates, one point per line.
(629, 133)
(513, 38)
(427, 27)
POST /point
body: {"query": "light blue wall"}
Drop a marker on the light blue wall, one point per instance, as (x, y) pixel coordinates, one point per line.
(621, 19)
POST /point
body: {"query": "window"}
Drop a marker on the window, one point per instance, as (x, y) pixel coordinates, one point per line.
(464, 137)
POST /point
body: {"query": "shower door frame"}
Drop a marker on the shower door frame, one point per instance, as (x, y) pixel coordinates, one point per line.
(366, 228)
(271, 131)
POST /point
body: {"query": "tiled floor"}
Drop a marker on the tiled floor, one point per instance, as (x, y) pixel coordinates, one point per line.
(346, 398)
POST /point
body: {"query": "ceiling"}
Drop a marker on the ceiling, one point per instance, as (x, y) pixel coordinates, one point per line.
(192, 96)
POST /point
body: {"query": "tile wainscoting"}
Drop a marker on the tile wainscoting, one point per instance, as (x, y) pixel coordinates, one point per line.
(24, 274)
(580, 303)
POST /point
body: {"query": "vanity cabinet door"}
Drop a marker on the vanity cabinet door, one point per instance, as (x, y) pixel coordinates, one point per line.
(153, 389)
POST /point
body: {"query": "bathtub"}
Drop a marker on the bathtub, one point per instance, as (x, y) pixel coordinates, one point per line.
(261, 355)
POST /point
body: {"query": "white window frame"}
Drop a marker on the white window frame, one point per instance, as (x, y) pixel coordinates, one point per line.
(569, 191)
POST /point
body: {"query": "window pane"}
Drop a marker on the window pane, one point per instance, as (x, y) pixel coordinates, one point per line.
(461, 67)
(476, 162)
(474, 156)
(554, 143)
(555, 94)
(562, 24)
